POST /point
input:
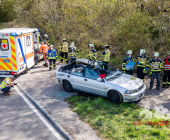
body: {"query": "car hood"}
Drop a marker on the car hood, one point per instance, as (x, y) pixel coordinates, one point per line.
(127, 81)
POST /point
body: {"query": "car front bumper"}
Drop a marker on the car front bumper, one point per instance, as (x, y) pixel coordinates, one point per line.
(134, 97)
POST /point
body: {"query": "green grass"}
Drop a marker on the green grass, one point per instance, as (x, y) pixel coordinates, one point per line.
(115, 121)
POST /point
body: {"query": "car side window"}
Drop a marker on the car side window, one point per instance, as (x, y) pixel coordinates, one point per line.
(66, 68)
(28, 41)
(78, 71)
(90, 73)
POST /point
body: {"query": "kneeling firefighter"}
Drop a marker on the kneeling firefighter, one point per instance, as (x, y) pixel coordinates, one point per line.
(52, 56)
(128, 63)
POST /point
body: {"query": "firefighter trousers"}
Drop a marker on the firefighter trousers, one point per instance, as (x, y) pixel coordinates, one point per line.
(130, 72)
(64, 54)
(140, 73)
(105, 65)
(166, 78)
(52, 61)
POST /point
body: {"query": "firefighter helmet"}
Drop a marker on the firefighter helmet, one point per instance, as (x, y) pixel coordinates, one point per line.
(64, 39)
(72, 44)
(169, 52)
(46, 35)
(129, 52)
(106, 46)
(51, 46)
(91, 45)
(156, 54)
(142, 51)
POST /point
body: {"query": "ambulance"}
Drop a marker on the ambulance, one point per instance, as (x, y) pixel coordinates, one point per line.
(18, 50)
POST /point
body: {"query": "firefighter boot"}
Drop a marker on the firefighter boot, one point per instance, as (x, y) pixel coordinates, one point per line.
(54, 66)
(46, 64)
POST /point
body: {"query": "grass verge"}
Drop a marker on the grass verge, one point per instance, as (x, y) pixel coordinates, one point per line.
(118, 121)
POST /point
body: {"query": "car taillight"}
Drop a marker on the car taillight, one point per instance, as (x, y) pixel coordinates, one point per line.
(13, 73)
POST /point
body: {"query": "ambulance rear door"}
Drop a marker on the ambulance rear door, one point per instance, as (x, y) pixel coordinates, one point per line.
(29, 49)
(5, 55)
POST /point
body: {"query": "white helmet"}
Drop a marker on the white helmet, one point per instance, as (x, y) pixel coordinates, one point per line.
(51, 46)
(64, 39)
(156, 54)
(91, 45)
(129, 52)
(72, 44)
(46, 35)
(142, 51)
(169, 52)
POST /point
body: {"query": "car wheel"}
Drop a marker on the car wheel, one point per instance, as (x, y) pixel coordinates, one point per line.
(114, 96)
(67, 86)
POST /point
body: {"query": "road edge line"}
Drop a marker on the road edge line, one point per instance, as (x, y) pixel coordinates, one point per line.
(56, 124)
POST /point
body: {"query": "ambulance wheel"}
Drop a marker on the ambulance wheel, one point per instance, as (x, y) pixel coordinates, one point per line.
(114, 96)
(67, 86)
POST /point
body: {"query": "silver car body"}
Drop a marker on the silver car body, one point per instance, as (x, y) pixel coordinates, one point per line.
(121, 84)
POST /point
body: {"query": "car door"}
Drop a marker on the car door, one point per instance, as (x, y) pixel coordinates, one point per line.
(91, 83)
(76, 78)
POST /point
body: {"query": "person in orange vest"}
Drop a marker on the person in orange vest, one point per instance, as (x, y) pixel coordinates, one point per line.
(166, 76)
(44, 51)
(6, 85)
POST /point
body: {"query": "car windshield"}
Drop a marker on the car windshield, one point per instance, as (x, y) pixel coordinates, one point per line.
(111, 71)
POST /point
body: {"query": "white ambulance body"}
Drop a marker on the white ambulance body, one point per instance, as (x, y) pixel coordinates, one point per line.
(17, 50)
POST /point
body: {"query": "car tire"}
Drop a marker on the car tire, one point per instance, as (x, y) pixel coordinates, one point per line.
(67, 86)
(115, 96)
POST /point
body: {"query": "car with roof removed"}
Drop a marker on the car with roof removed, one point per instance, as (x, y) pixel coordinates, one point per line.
(90, 77)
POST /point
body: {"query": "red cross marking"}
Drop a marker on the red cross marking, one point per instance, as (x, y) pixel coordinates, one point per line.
(4, 45)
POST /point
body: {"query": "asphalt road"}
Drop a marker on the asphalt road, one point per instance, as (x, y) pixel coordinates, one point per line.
(19, 120)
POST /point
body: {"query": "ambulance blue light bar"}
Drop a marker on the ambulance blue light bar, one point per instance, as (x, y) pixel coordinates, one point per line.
(14, 34)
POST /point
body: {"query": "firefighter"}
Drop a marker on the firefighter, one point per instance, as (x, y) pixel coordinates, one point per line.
(52, 57)
(166, 76)
(92, 53)
(44, 50)
(128, 63)
(73, 53)
(46, 41)
(106, 57)
(156, 66)
(64, 50)
(6, 85)
(142, 61)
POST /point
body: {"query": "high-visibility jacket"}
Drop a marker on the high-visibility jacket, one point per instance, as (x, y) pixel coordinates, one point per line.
(142, 61)
(4, 82)
(156, 65)
(44, 49)
(92, 54)
(167, 63)
(106, 55)
(52, 54)
(72, 53)
(128, 64)
(64, 47)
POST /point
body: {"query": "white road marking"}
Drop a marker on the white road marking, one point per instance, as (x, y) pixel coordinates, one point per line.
(40, 116)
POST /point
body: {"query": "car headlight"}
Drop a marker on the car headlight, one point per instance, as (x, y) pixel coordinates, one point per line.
(131, 91)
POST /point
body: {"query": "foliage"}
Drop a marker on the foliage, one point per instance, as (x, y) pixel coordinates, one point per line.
(7, 12)
(116, 121)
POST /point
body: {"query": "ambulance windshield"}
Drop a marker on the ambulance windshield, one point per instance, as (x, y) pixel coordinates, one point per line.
(4, 45)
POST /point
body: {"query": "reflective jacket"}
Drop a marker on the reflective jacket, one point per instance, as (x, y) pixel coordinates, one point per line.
(52, 54)
(72, 53)
(64, 47)
(44, 49)
(92, 54)
(128, 64)
(156, 65)
(167, 63)
(4, 82)
(142, 61)
(106, 55)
